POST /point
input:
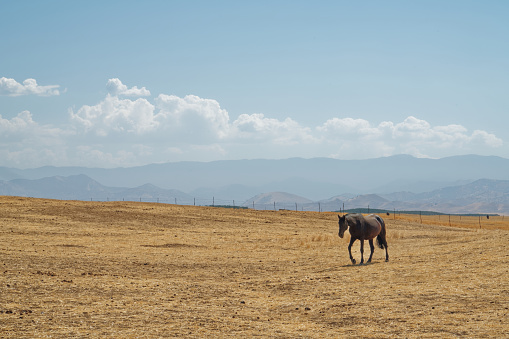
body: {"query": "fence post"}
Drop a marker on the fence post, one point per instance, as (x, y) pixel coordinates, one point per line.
(295, 207)
(274, 206)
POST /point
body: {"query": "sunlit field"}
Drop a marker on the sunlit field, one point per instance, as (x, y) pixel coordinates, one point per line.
(472, 222)
(131, 270)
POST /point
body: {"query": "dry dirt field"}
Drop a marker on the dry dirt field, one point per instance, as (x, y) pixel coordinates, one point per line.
(71, 269)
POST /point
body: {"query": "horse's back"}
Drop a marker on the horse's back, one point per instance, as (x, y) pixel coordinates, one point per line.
(374, 225)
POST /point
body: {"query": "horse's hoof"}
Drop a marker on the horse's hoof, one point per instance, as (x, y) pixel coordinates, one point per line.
(353, 261)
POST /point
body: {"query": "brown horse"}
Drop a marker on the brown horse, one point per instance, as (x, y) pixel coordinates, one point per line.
(364, 228)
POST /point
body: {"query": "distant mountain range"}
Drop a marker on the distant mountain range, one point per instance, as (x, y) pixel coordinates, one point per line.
(312, 178)
(480, 196)
(81, 187)
(463, 184)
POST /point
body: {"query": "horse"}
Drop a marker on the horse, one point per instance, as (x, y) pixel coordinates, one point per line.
(364, 228)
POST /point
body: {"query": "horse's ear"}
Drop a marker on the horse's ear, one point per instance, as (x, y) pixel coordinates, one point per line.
(339, 217)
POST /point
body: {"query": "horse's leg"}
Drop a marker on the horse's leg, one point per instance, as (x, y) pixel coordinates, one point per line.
(352, 240)
(362, 251)
(372, 249)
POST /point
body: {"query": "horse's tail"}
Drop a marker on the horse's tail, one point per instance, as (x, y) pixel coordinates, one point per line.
(381, 237)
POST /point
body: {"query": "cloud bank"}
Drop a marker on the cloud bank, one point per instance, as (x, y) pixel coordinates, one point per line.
(11, 87)
(121, 131)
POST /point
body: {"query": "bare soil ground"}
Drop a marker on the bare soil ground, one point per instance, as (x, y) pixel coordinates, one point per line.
(134, 270)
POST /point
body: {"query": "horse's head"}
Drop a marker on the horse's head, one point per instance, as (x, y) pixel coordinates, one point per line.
(343, 225)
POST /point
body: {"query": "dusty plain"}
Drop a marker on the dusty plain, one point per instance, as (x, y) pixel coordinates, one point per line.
(73, 269)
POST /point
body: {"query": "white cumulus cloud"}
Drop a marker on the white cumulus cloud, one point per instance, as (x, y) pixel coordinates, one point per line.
(486, 138)
(11, 87)
(116, 87)
(23, 127)
(116, 115)
(256, 127)
(26, 143)
(411, 136)
(192, 118)
(348, 129)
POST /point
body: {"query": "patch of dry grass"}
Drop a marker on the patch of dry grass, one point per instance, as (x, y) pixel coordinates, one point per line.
(477, 222)
(124, 269)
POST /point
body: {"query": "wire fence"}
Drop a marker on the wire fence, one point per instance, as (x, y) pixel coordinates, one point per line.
(334, 206)
(471, 220)
(227, 203)
(484, 221)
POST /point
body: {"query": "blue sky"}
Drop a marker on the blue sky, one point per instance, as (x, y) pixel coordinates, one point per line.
(126, 83)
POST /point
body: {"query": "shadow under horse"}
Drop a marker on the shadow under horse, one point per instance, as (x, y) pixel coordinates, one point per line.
(364, 228)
